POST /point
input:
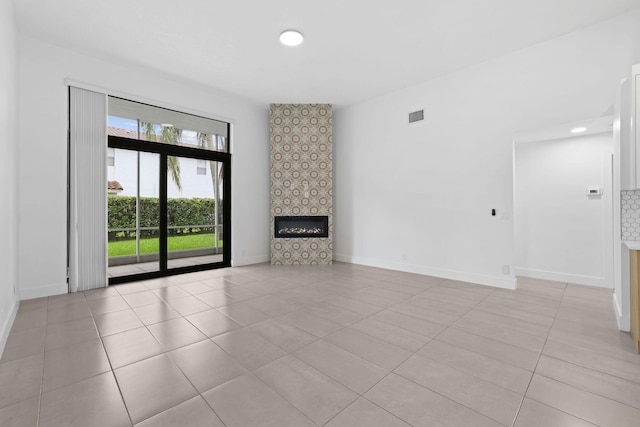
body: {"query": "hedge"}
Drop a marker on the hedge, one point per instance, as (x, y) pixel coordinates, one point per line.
(180, 212)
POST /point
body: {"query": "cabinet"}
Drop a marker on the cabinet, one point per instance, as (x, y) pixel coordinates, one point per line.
(634, 263)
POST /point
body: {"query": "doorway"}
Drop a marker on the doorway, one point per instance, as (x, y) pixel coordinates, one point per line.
(563, 204)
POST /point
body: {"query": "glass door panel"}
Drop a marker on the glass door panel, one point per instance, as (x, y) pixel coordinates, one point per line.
(194, 212)
(133, 212)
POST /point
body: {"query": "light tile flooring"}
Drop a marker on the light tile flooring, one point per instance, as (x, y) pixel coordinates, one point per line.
(337, 346)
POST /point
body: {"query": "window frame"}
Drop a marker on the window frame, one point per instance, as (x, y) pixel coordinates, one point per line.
(165, 150)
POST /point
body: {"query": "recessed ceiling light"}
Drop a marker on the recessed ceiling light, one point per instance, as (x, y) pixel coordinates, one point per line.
(578, 130)
(291, 38)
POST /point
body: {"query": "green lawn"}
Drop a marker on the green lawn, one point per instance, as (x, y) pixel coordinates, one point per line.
(175, 243)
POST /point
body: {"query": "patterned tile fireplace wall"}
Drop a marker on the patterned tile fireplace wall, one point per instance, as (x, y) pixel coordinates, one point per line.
(301, 178)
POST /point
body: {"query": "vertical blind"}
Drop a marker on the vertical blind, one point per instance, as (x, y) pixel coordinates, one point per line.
(87, 190)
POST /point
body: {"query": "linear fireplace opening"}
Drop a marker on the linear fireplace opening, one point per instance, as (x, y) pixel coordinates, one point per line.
(301, 226)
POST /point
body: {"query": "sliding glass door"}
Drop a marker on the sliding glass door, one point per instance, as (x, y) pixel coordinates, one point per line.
(169, 193)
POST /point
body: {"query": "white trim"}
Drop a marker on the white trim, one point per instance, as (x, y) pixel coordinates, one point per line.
(600, 282)
(608, 225)
(621, 128)
(504, 282)
(6, 325)
(624, 324)
(44, 291)
(137, 98)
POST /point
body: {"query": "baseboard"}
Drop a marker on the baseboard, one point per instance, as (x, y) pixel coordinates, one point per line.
(44, 291)
(624, 323)
(599, 282)
(505, 282)
(5, 326)
(251, 260)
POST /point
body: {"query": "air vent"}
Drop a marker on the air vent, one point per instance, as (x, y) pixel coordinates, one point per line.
(416, 116)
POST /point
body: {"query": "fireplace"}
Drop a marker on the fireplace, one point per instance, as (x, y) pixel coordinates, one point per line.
(301, 170)
(301, 226)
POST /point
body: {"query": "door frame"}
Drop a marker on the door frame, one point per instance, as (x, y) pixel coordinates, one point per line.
(597, 126)
(165, 150)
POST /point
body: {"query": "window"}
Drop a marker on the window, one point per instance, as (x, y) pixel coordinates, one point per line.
(111, 157)
(137, 121)
(201, 168)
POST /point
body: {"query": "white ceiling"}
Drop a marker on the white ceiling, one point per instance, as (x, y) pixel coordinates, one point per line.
(353, 49)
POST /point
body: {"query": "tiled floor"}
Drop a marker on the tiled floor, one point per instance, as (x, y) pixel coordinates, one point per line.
(337, 346)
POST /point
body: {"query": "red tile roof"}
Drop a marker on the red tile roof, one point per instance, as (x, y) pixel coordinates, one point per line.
(125, 133)
(114, 185)
(122, 132)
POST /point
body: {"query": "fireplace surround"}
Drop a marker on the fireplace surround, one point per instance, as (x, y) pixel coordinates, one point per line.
(301, 183)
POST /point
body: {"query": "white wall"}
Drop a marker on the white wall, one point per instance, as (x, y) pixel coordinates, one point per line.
(559, 231)
(8, 169)
(125, 172)
(426, 190)
(43, 103)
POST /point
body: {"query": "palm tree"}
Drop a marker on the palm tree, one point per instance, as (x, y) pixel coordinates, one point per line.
(173, 135)
(206, 141)
(168, 135)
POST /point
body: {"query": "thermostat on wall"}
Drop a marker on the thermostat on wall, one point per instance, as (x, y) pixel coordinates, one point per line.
(593, 191)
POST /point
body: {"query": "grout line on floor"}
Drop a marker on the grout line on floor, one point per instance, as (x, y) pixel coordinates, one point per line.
(112, 371)
(515, 418)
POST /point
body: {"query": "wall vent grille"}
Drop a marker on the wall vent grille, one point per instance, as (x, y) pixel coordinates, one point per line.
(416, 116)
